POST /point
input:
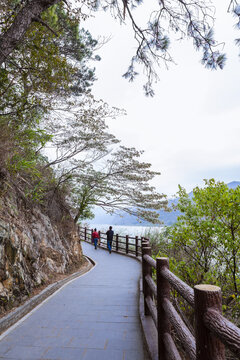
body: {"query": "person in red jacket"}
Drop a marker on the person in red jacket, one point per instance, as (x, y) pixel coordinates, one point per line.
(95, 238)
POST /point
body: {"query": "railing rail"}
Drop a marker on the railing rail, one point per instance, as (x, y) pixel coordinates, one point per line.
(124, 244)
(212, 329)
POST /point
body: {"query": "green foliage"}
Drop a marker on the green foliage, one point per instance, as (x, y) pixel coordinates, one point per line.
(46, 100)
(45, 70)
(166, 20)
(121, 183)
(84, 204)
(204, 244)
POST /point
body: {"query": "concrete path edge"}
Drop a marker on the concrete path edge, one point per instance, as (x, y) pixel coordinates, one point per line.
(149, 329)
(24, 309)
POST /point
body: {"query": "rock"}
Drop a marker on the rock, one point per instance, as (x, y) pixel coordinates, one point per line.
(33, 247)
(2, 275)
(8, 284)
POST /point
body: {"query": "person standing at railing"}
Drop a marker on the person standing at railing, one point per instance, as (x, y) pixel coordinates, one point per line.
(109, 234)
(95, 238)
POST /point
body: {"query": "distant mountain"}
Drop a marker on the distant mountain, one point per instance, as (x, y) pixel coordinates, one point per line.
(233, 184)
(101, 217)
(168, 218)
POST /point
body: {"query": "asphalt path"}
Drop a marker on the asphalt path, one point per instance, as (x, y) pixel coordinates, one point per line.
(94, 317)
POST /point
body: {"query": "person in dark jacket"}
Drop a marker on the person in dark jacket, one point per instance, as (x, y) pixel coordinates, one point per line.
(109, 234)
(95, 238)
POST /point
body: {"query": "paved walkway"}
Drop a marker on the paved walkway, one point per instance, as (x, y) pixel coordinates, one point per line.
(95, 317)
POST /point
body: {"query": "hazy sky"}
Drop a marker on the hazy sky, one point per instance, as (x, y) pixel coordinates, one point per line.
(190, 130)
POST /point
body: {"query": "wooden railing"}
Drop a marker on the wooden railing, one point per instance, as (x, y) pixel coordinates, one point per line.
(123, 244)
(212, 330)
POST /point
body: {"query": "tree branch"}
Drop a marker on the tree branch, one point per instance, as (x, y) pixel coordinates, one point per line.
(39, 20)
(12, 37)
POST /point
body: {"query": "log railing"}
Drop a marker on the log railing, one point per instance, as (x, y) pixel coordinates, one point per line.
(212, 330)
(124, 244)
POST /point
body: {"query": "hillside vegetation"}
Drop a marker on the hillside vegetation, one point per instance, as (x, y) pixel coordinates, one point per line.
(203, 245)
(57, 157)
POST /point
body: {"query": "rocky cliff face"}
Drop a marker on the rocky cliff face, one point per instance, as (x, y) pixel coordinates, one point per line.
(34, 246)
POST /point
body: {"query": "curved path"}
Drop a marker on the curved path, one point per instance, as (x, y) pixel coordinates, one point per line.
(94, 317)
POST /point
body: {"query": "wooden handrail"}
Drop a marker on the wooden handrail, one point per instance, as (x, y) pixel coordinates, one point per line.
(181, 329)
(181, 287)
(131, 246)
(151, 284)
(212, 330)
(171, 349)
(224, 329)
(150, 260)
(152, 309)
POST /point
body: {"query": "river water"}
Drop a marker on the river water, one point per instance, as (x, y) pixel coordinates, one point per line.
(126, 230)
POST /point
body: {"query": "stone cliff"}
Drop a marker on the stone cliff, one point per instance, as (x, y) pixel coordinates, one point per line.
(35, 245)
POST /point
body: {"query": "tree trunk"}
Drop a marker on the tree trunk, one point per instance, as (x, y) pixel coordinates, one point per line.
(30, 12)
(77, 216)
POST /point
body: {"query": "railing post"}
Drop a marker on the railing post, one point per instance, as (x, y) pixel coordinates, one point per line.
(91, 236)
(136, 246)
(146, 241)
(99, 233)
(143, 245)
(208, 346)
(116, 242)
(85, 234)
(126, 244)
(147, 270)
(163, 291)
